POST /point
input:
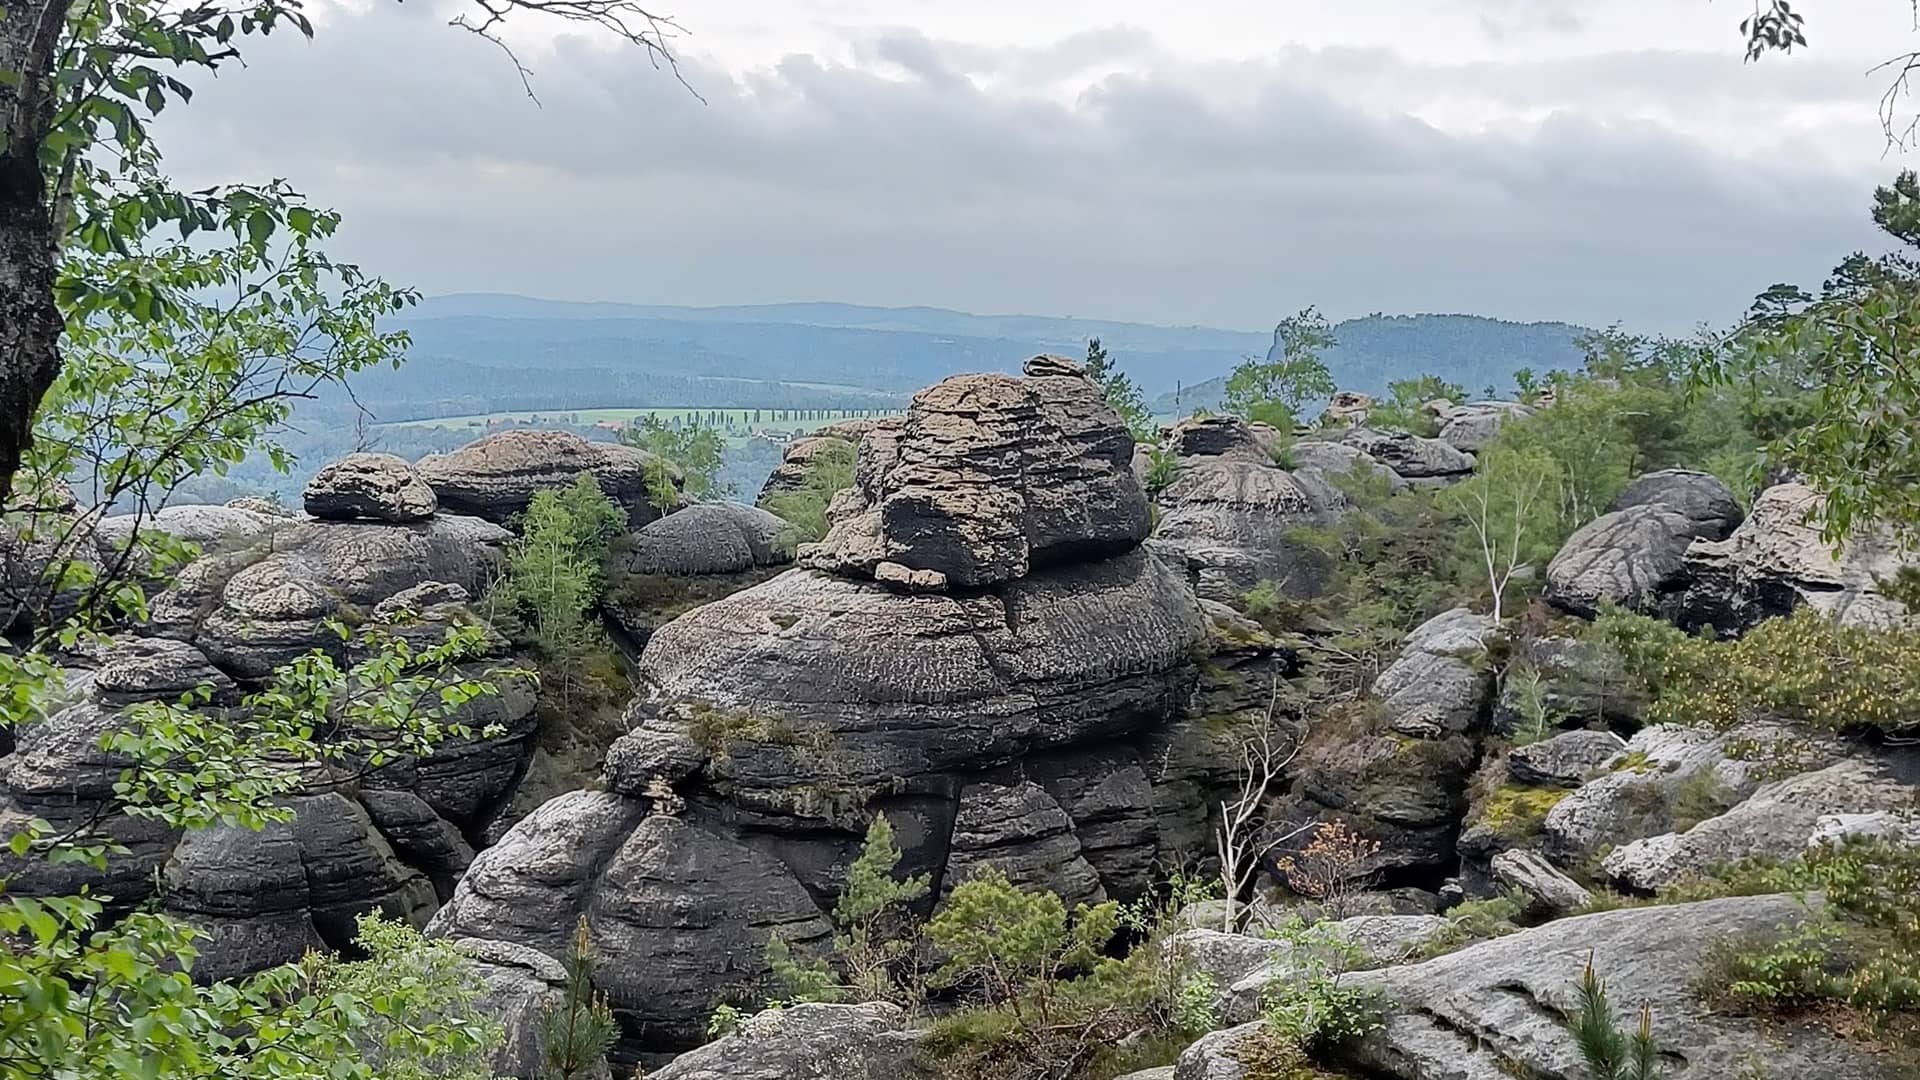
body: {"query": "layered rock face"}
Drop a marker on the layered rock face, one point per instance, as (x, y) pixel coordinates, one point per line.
(1472, 427)
(497, 476)
(379, 487)
(1776, 561)
(1230, 512)
(979, 649)
(1635, 555)
(1421, 461)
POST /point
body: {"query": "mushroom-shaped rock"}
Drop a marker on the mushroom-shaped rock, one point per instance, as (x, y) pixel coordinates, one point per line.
(705, 539)
(1777, 560)
(378, 487)
(988, 477)
(810, 675)
(1422, 461)
(496, 477)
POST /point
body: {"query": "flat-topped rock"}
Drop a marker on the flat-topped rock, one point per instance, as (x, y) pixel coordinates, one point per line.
(987, 478)
(377, 487)
(496, 477)
(705, 539)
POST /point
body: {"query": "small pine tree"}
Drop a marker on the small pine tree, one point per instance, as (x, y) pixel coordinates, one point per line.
(1613, 1054)
(1122, 395)
(577, 1032)
(870, 914)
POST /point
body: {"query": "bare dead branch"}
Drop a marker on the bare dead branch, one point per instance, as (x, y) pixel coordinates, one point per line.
(625, 19)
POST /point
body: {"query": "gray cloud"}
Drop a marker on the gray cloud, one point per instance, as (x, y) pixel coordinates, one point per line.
(935, 173)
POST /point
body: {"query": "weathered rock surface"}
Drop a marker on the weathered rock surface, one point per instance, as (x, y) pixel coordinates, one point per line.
(521, 985)
(1701, 498)
(1022, 832)
(1565, 760)
(1472, 426)
(1349, 408)
(1777, 561)
(798, 460)
(255, 609)
(1243, 966)
(1777, 821)
(1636, 797)
(988, 477)
(496, 477)
(1549, 891)
(706, 539)
(1230, 512)
(1632, 557)
(874, 1041)
(206, 527)
(1436, 686)
(1419, 460)
(377, 487)
(1499, 1009)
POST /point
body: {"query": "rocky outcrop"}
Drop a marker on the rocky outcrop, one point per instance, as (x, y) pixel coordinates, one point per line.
(1421, 461)
(1548, 892)
(874, 1041)
(987, 478)
(1398, 773)
(496, 477)
(1349, 408)
(799, 459)
(1023, 702)
(1777, 822)
(519, 986)
(391, 840)
(1635, 555)
(1566, 760)
(377, 487)
(1581, 683)
(254, 609)
(706, 539)
(1473, 426)
(1500, 1008)
(1777, 561)
(1243, 966)
(1231, 513)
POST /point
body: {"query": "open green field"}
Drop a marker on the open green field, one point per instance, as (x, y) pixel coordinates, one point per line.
(739, 422)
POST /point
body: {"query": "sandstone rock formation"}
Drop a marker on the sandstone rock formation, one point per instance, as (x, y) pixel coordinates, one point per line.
(1498, 1009)
(874, 1041)
(495, 477)
(690, 557)
(799, 456)
(1230, 513)
(1471, 427)
(1032, 707)
(1635, 554)
(1349, 408)
(1776, 561)
(378, 487)
(1421, 461)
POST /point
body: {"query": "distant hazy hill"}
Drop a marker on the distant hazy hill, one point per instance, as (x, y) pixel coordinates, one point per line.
(479, 353)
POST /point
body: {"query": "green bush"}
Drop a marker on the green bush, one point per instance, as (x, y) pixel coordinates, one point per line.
(804, 509)
(1309, 1006)
(696, 451)
(556, 572)
(1802, 667)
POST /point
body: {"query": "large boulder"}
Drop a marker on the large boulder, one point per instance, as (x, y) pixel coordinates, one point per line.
(496, 477)
(1422, 461)
(1473, 426)
(1635, 554)
(1501, 1008)
(1439, 684)
(988, 477)
(1777, 561)
(706, 539)
(209, 528)
(1021, 831)
(519, 986)
(873, 1041)
(378, 487)
(1776, 822)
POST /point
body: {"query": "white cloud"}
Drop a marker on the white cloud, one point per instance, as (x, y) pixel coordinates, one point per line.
(1113, 159)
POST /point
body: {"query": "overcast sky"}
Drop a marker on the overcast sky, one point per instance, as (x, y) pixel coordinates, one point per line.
(1220, 162)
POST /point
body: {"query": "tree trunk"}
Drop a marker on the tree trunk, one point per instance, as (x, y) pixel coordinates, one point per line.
(30, 324)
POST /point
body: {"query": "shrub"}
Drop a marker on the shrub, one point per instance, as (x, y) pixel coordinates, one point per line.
(1309, 1006)
(873, 918)
(804, 509)
(1476, 920)
(435, 981)
(555, 573)
(695, 450)
(1802, 667)
(1530, 704)
(577, 1031)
